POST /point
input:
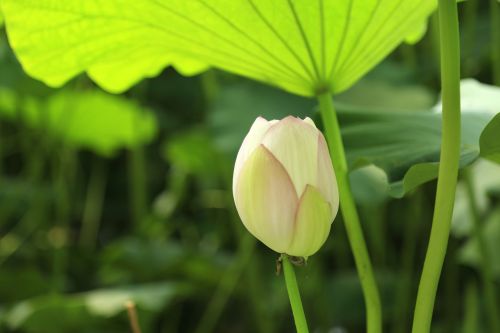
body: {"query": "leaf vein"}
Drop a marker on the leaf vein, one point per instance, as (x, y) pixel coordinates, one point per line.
(255, 42)
(281, 39)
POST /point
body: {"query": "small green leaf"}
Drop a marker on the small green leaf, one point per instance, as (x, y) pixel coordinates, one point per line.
(301, 46)
(110, 302)
(92, 120)
(490, 140)
(485, 179)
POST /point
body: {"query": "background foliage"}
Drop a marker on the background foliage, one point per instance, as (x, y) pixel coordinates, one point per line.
(108, 198)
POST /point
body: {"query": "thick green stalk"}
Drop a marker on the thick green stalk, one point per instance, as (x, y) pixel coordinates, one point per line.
(489, 290)
(349, 212)
(294, 296)
(448, 168)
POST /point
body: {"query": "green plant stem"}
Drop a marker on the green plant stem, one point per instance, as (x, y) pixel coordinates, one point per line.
(349, 212)
(405, 287)
(451, 289)
(227, 285)
(294, 296)
(471, 317)
(137, 185)
(210, 86)
(37, 211)
(63, 177)
(448, 168)
(93, 203)
(409, 55)
(256, 293)
(489, 290)
(469, 33)
(495, 43)
(375, 217)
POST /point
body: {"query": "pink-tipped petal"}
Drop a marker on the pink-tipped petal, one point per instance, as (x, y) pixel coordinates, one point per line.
(326, 181)
(265, 199)
(251, 141)
(294, 143)
(312, 224)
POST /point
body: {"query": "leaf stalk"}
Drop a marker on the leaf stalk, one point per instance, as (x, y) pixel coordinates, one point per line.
(350, 215)
(448, 167)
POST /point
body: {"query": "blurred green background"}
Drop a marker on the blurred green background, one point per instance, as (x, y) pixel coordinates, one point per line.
(108, 198)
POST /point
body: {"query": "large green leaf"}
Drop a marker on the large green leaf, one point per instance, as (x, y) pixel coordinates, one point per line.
(93, 120)
(406, 145)
(302, 46)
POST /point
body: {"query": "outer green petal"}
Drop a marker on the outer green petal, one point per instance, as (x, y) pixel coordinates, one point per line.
(251, 141)
(294, 143)
(326, 181)
(312, 224)
(266, 200)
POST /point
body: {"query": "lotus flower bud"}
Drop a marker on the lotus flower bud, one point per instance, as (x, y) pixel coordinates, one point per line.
(284, 185)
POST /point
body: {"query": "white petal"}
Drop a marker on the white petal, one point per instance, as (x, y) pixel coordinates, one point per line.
(295, 144)
(309, 121)
(265, 199)
(251, 141)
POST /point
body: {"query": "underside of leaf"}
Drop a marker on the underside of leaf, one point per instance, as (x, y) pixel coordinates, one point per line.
(302, 46)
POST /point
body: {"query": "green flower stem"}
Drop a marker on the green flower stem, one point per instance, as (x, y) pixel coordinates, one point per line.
(448, 168)
(489, 290)
(348, 208)
(294, 295)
